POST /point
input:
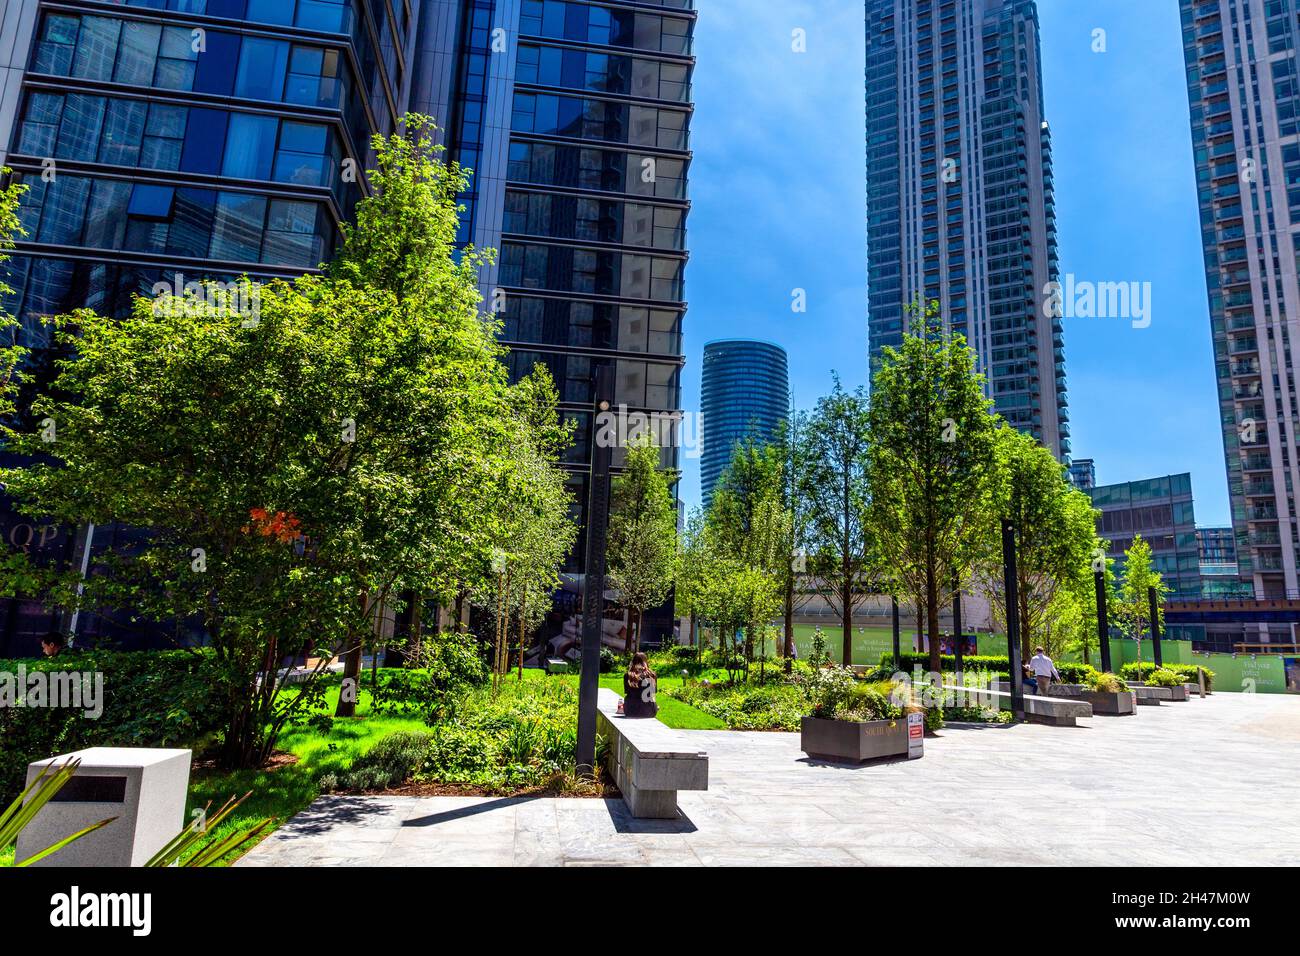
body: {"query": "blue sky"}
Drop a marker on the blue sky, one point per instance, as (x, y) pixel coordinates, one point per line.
(778, 204)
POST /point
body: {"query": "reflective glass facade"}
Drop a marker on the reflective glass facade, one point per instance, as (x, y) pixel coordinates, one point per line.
(175, 140)
(960, 195)
(1244, 91)
(214, 138)
(1161, 510)
(206, 137)
(575, 118)
(745, 393)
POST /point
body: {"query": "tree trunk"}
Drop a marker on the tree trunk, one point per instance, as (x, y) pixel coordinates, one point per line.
(523, 606)
(787, 650)
(352, 666)
(846, 612)
(347, 705)
(932, 617)
(394, 656)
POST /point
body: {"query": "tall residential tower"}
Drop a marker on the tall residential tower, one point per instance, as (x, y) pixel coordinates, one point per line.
(1244, 91)
(959, 194)
(744, 393)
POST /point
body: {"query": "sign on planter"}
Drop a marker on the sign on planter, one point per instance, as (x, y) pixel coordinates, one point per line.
(915, 735)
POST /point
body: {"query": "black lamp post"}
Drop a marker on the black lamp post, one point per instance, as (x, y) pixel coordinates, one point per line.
(593, 588)
(1155, 626)
(1103, 624)
(1010, 589)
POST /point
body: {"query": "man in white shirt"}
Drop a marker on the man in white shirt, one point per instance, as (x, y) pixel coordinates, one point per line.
(1044, 671)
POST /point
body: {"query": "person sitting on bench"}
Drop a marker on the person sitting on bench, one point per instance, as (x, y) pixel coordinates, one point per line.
(1028, 684)
(639, 685)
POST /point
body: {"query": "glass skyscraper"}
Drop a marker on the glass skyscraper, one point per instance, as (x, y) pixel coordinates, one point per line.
(209, 138)
(575, 117)
(960, 196)
(216, 138)
(1242, 84)
(745, 392)
(1162, 511)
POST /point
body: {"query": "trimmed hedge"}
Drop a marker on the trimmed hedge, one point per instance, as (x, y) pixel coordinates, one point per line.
(1071, 673)
(1141, 671)
(150, 699)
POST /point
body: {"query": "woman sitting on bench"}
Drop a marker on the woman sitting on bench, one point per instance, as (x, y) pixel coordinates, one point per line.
(639, 689)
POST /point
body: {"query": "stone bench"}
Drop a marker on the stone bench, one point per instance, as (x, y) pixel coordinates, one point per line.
(1116, 704)
(1057, 711)
(1176, 693)
(649, 761)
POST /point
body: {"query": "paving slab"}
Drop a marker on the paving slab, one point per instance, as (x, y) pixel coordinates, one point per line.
(1172, 786)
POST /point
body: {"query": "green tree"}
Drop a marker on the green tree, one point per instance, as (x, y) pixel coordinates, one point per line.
(1082, 638)
(1056, 534)
(11, 352)
(797, 461)
(297, 472)
(751, 531)
(536, 506)
(931, 465)
(843, 554)
(17, 576)
(694, 572)
(642, 535)
(1133, 610)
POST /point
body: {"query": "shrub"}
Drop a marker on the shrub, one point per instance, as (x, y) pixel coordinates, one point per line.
(769, 706)
(523, 736)
(437, 677)
(393, 760)
(675, 660)
(608, 661)
(150, 699)
(1163, 678)
(978, 715)
(836, 695)
(1071, 672)
(1105, 683)
(1139, 671)
(460, 754)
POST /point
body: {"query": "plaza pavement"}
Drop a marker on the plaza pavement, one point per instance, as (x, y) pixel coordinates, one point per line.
(1211, 782)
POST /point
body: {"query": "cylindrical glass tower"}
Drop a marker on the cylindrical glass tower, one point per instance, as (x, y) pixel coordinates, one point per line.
(746, 391)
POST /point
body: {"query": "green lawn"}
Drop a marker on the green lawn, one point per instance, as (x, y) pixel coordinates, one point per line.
(673, 713)
(282, 792)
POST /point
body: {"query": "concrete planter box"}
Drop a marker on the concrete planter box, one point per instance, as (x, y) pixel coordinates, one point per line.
(1118, 704)
(1176, 693)
(853, 741)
